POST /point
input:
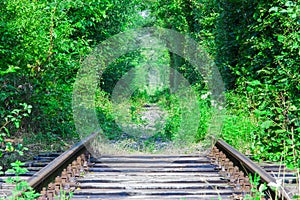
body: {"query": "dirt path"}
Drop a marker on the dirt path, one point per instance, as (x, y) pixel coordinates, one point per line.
(143, 138)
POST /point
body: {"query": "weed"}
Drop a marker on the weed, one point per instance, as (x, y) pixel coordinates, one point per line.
(64, 195)
(257, 189)
(21, 191)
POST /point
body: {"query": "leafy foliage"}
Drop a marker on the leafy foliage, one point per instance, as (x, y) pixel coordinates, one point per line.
(255, 45)
(44, 43)
(261, 52)
(22, 190)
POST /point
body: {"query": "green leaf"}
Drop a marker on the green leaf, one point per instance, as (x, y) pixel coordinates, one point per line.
(10, 179)
(17, 124)
(12, 171)
(6, 130)
(280, 38)
(249, 89)
(264, 71)
(9, 147)
(267, 124)
(292, 108)
(280, 131)
(275, 9)
(283, 11)
(254, 83)
(289, 3)
(10, 69)
(17, 164)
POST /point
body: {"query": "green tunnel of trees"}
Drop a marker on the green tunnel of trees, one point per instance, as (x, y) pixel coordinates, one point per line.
(255, 45)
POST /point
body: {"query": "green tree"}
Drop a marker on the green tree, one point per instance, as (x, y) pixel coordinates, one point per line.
(46, 41)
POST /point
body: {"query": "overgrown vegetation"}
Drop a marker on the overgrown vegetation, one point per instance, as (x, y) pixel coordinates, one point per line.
(255, 45)
(43, 43)
(256, 48)
(22, 190)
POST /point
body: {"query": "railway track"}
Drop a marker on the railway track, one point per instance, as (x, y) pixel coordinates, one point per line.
(223, 174)
(33, 166)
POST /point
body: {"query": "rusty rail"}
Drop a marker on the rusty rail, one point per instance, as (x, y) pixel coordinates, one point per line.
(46, 174)
(249, 167)
(231, 164)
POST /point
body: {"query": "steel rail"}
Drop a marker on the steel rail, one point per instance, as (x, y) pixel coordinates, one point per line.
(55, 166)
(248, 166)
(46, 174)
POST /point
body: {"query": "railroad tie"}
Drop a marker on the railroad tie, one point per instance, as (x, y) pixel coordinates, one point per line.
(155, 177)
(222, 174)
